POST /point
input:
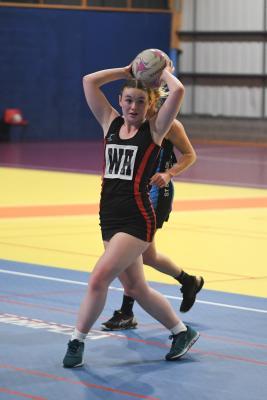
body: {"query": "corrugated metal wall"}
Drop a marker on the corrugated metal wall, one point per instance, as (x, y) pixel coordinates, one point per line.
(229, 15)
(224, 57)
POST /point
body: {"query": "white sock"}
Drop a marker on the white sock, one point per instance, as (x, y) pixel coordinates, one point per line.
(78, 335)
(180, 327)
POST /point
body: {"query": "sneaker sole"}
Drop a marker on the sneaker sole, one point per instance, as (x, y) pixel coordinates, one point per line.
(105, 328)
(193, 341)
(73, 366)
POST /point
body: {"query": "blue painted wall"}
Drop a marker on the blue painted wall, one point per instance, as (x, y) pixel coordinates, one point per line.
(44, 54)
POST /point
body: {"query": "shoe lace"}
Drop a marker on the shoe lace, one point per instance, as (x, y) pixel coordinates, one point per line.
(175, 337)
(74, 345)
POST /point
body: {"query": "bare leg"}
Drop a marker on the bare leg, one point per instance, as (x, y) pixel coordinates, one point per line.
(153, 302)
(123, 257)
(160, 262)
(120, 252)
(190, 284)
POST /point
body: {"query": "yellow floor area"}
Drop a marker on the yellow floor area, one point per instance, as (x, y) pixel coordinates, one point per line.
(226, 245)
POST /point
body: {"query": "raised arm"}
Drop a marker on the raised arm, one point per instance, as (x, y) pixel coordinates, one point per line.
(96, 100)
(161, 123)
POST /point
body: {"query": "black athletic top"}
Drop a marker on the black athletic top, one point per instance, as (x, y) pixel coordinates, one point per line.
(162, 198)
(125, 205)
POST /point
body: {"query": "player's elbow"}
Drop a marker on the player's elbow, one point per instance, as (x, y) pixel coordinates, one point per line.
(178, 95)
(86, 79)
(88, 84)
(194, 156)
(180, 90)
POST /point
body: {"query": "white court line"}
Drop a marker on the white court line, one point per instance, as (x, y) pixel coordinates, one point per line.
(51, 278)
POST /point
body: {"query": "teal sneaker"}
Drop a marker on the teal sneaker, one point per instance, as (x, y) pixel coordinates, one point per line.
(181, 343)
(74, 355)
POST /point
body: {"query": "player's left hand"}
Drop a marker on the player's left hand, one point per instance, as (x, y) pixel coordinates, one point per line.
(160, 179)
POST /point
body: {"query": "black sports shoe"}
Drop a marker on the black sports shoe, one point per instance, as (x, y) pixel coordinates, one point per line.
(74, 355)
(119, 321)
(181, 343)
(190, 290)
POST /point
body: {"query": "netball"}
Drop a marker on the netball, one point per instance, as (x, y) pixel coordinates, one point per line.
(148, 66)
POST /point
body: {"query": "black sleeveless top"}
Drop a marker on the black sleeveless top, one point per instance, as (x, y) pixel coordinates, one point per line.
(167, 157)
(125, 205)
(162, 198)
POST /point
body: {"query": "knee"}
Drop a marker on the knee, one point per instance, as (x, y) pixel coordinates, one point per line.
(98, 282)
(149, 258)
(134, 290)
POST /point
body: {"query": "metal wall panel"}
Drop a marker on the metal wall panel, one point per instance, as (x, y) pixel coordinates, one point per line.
(233, 57)
(223, 101)
(228, 101)
(186, 57)
(211, 56)
(222, 57)
(233, 15)
(187, 105)
(188, 15)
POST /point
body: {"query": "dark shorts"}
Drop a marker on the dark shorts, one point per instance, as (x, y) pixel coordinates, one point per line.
(134, 216)
(162, 200)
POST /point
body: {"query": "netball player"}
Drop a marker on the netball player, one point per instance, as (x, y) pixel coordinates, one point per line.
(127, 218)
(161, 195)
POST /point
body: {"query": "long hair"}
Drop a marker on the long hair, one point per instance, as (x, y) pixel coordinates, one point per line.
(137, 84)
(158, 97)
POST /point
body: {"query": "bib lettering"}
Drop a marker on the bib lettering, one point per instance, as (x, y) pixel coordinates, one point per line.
(120, 161)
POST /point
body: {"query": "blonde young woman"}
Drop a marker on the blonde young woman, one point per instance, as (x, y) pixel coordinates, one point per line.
(127, 217)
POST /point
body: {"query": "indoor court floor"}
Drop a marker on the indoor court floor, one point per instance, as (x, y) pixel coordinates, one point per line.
(50, 240)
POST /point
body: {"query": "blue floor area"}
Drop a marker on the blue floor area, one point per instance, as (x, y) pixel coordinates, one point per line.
(38, 312)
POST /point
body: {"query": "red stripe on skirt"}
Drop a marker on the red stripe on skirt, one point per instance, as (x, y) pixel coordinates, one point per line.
(137, 196)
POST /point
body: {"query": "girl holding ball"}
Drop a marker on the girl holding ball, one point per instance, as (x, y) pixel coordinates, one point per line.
(127, 217)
